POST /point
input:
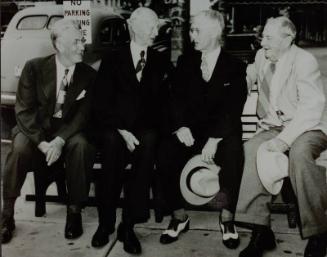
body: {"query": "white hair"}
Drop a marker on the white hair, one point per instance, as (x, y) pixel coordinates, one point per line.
(214, 16)
(61, 26)
(142, 13)
(286, 26)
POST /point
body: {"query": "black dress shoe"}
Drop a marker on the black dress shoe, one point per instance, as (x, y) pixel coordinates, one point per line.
(262, 239)
(127, 235)
(230, 236)
(175, 227)
(101, 236)
(7, 229)
(73, 228)
(316, 246)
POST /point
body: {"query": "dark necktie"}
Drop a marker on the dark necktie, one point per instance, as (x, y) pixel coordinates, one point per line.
(264, 91)
(61, 96)
(141, 63)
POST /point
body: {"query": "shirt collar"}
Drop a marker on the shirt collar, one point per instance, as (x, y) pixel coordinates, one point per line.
(282, 59)
(136, 50)
(61, 69)
(211, 56)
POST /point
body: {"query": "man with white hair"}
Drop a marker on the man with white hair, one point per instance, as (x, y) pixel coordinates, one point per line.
(52, 110)
(129, 95)
(208, 96)
(290, 106)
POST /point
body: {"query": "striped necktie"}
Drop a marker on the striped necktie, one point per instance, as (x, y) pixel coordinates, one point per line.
(264, 91)
(61, 96)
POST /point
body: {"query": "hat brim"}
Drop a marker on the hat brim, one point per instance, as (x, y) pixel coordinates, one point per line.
(272, 168)
(188, 195)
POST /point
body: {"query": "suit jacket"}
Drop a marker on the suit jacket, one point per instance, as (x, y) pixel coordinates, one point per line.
(122, 102)
(215, 108)
(301, 97)
(36, 99)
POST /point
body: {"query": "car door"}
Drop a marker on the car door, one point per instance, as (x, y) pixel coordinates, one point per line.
(28, 38)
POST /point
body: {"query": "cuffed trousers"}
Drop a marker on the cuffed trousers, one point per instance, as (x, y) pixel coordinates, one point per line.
(308, 181)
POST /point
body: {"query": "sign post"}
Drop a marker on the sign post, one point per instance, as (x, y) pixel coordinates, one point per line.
(80, 10)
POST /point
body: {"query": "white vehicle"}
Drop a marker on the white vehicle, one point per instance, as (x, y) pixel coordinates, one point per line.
(27, 37)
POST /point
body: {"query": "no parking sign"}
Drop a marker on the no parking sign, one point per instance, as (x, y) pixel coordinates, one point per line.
(80, 10)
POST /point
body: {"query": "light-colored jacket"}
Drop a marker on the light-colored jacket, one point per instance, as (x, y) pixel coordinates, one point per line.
(301, 97)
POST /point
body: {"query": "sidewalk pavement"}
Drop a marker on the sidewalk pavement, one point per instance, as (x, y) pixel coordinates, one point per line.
(44, 236)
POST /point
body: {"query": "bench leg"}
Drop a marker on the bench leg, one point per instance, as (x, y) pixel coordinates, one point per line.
(42, 180)
(289, 197)
(41, 183)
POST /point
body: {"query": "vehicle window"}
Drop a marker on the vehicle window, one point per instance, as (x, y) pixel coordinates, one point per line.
(32, 22)
(120, 32)
(53, 20)
(113, 31)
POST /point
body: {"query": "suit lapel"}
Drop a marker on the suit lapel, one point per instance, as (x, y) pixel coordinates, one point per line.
(49, 83)
(149, 64)
(75, 88)
(218, 71)
(287, 68)
(128, 65)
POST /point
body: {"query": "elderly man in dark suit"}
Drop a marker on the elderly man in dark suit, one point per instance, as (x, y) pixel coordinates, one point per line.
(129, 95)
(208, 95)
(52, 110)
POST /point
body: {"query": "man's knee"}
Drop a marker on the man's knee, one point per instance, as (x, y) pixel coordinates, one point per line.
(233, 145)
(148, 140)
(302, 150)
(112, 138)
(251, 146)
(21, 145)
(78, 143)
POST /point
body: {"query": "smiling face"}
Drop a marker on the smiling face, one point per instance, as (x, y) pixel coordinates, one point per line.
(67, 39)
(274, 42)
(144, 27)
(204, 33)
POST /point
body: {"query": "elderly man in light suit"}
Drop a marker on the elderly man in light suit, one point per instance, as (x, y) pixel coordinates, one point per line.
(290, 106)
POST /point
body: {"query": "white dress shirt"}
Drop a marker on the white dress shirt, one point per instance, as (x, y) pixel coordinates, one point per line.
(61, 73)
(136, 55)
(275, 86)
(211, 59)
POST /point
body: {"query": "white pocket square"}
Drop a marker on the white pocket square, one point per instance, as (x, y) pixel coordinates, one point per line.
(81, 95)
(226, 84)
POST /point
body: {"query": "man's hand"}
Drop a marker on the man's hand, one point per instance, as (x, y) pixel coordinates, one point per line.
(130, 139)
(55, 150)
(185, 136)
(251, 76)
(44, 147)
(277, 145)
(210, 149)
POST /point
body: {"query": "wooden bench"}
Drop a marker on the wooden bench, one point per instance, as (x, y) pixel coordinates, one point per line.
(249, 121)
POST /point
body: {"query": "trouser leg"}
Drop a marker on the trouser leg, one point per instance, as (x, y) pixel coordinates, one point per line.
(137, 184)
(79, 158)
(252, 205)
(172, 157)
(109, 183)
(309, 181)
(230, 158)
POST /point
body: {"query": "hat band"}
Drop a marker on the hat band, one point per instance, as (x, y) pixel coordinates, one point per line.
(188, 181)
